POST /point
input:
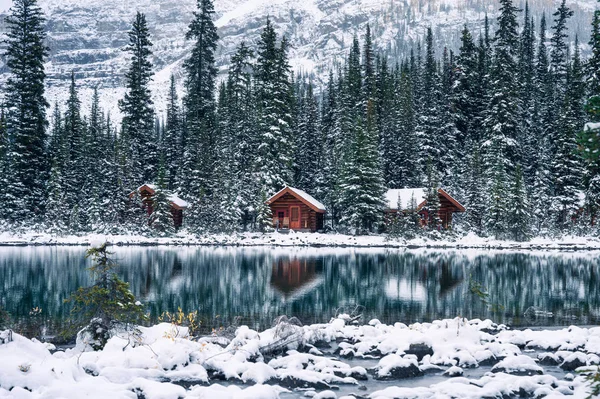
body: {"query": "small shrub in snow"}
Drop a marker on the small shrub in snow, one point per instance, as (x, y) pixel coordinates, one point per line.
(109, 303)
(182, 319)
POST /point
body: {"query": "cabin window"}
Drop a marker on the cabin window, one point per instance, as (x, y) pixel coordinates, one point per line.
(280, 215)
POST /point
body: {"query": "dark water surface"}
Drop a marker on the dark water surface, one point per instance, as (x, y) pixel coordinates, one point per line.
(258, 284)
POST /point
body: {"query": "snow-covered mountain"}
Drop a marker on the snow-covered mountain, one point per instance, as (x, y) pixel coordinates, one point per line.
(88, 36)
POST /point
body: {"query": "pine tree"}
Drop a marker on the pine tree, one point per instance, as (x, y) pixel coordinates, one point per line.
(75, 163)
(197, 176)
(539, 176)
(273, 94)
(173, 141)
(501, 149)
(429, 117)
(527, 93)
(567, 161)
(309, 145)
(241, 124)
(97, 152)
(467, 90)
(450, 150)
(405, 119)
(589, 139)
(496, 218)
(432, 196)
(519, 209)
(504, 108)
(27, 157)
(136, 107)
(362, 187)
(161, 219)
(264, 216)
(475, 195)
(330, 129)
(559, 59)
(368, 68)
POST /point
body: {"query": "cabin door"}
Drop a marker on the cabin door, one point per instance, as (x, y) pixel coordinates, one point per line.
(294, 217)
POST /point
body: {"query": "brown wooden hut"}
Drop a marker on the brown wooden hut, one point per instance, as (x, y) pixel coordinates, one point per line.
(400, 200)
(146, 192)
(294, 209)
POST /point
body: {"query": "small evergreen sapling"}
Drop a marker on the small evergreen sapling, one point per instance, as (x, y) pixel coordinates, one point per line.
(264, 216)
(161, 219)
(108, 304)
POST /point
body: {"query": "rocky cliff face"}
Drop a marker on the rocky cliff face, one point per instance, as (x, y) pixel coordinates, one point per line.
(88, 37)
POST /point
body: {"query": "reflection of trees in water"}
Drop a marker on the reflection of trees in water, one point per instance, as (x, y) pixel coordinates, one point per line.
(259, 284)
(40, 276)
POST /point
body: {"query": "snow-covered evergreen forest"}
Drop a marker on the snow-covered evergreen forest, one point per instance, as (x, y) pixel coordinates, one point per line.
(509, 125)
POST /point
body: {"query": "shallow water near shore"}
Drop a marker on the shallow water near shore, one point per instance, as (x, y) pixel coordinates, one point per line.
(251, 286)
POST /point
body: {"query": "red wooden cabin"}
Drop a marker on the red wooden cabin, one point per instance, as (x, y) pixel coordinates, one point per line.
(146, 192)
(294, 209)
(400, 200)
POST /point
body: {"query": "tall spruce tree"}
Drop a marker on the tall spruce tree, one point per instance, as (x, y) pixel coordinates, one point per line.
(136, 106)
(309, 145)
(505, 107)
(273, 95)
(501, 146)
(567, 165)
(429, 122)
(196, 177)
(27, 158)
(467, 90)
(75, 163)
(173, 141)
(539, 175)
(241, 125)
(528, 138)
(362, 186)
(407, 172)
(589, 139)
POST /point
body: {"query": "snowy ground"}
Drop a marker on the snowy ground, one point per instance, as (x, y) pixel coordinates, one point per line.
(452, 358)
(300, 239)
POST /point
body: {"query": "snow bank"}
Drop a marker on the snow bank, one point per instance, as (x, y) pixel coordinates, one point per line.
(164, 362)
(300, 239)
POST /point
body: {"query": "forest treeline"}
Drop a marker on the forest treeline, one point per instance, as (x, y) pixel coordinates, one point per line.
(506, 125)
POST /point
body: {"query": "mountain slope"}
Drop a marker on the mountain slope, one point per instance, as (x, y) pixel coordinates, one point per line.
(89, 38)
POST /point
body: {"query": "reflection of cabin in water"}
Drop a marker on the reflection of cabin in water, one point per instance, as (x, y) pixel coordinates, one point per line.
(294, 209)
(147, 191)
(400, 200)
(292, 277)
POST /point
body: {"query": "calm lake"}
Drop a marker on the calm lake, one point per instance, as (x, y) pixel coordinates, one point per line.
(255, 285)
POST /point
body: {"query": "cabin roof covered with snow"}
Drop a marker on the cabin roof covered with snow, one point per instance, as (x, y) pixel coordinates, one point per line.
(173, 199)
(303, 196)
(402, 198)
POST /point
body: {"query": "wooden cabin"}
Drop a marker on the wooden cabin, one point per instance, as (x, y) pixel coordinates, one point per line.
(146, 192)
(401, 199)
(294, 209)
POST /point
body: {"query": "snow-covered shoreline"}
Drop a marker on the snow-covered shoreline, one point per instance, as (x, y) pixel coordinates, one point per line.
(297, 239)
(453, 358)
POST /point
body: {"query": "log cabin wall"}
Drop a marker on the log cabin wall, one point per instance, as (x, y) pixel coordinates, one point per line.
(146, 197)
(308, 217)
(447, 209)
